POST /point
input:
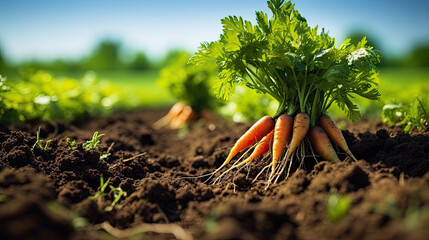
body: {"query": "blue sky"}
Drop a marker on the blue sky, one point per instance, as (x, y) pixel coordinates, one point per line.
(48, 29)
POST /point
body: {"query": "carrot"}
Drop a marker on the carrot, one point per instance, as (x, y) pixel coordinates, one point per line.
(334, 133)
(301, 124)
(185, 116)
(322, 145)
(263, 146)
(254, 134)
(175, 111)
(282, 133)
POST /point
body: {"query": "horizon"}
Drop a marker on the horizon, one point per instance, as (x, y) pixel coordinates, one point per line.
(50, 30)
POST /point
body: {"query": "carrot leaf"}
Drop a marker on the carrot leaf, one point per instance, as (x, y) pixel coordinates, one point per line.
(297, 65)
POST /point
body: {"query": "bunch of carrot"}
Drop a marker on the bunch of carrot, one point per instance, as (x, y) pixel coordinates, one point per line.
(283, 135)
(303, 70)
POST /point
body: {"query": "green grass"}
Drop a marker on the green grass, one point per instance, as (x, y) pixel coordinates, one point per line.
(403, 84)
(140, 87)
(40, 95)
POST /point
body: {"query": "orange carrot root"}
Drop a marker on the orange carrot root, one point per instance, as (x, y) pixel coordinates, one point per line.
(282, 134)
(301, 124)
(261, 148)
(334, 133)
(321, 144)
(253, 135)
(276, 136)
(174, 112)
(185, 116)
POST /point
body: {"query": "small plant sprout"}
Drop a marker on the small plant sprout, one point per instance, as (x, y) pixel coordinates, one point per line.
(107, 154)
(411, 217)
(94, 142)
(78, 222)
(3, 198)
(210, 223)
(39, 142)
(100, 191)
(116, 191)
(337, 206)
(388, 207)
(117, 194)
(71, 144)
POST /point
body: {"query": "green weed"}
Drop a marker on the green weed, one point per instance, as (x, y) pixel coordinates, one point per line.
(100, 191)
(78, 222)
(413, 115)
(411, 218)
(105, 156)
(388, 207)
(39, 142)
(3, 198)
(337, 206)
(71, 144)
(117, 193)
(94, 142)
(210, 223)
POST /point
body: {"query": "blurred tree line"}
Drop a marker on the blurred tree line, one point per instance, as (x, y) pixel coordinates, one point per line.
(109, 55)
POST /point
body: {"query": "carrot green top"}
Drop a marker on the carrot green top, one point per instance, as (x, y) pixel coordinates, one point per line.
(298, 65)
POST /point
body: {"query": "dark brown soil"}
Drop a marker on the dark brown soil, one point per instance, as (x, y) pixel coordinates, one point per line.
(44, 192)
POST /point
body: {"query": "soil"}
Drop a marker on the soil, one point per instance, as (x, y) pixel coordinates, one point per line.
(45, 193)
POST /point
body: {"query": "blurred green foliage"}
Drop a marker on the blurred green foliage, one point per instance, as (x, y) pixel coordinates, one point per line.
(104, 57)
(248, 105)
(419, 56)
(189, 83)
(412, 115)
(40, 96)
(140, 62)
(337, 206)
(3, 64)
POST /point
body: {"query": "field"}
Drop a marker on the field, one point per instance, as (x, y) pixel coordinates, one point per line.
(151, 187)
(384, 195)
(141, 85)
(401, 85)
(271, 129)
